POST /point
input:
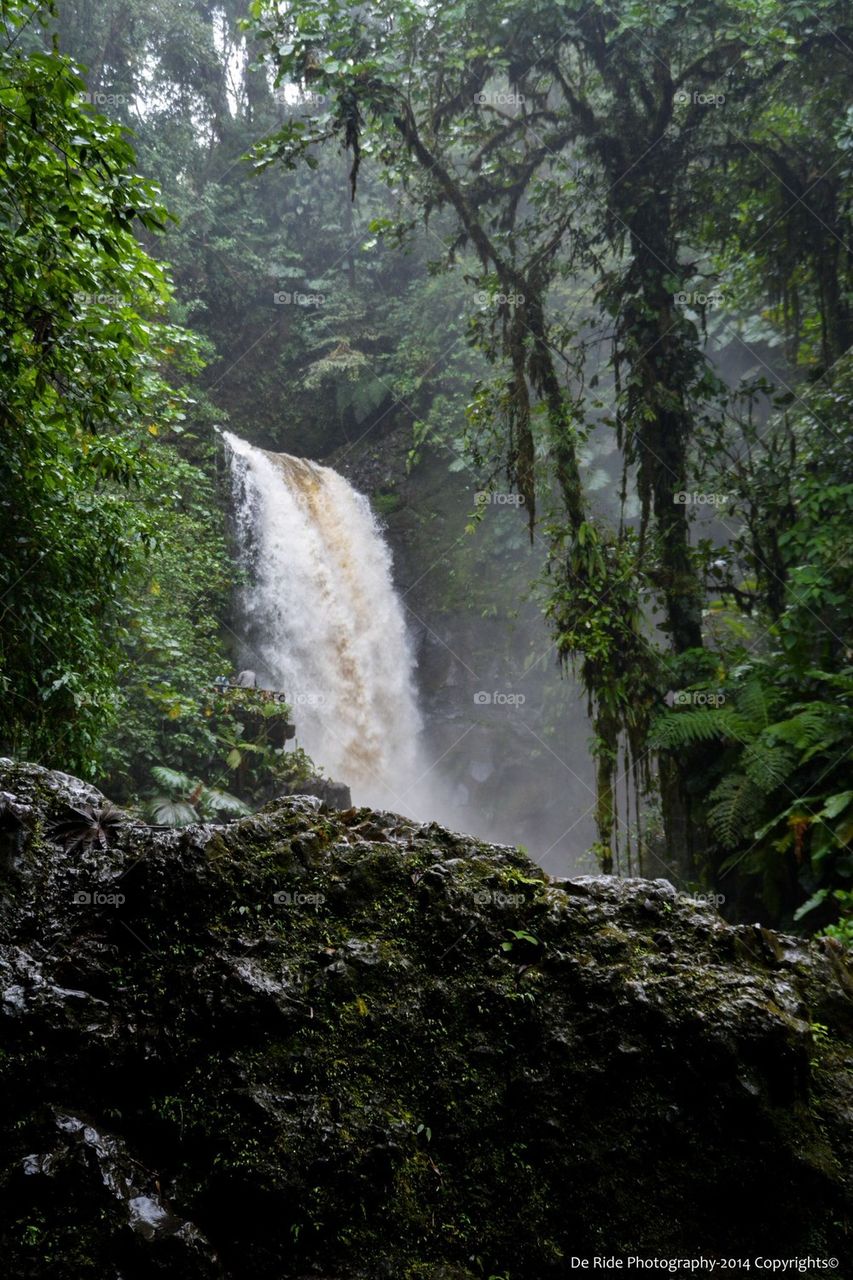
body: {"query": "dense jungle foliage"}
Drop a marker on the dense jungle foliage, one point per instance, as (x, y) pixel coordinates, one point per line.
(598, 253)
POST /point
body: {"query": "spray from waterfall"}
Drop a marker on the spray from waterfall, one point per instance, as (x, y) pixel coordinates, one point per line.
(322, 623)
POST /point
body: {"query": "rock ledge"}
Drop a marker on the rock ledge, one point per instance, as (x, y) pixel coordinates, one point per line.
(349, 1046)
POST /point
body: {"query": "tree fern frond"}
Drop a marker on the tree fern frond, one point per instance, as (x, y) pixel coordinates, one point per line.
(699, 724)
(766, 765)
(733, 806)
(755, 703)
(815, 727)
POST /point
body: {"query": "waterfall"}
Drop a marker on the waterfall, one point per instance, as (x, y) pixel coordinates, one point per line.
(322, 623)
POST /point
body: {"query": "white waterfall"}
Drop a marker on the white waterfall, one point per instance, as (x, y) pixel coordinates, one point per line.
(323, 624)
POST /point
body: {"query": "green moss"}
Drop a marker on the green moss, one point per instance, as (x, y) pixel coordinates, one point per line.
(386, 502)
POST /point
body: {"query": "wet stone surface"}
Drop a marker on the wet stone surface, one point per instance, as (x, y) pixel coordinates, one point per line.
(350, 1046)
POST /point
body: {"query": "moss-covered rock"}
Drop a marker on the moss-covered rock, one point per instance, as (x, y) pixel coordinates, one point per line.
(344, 1045)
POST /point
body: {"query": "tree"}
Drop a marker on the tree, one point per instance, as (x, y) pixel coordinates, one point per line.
(566, 139)
(82, 397)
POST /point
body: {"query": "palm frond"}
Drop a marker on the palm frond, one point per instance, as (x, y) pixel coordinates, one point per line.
(222, 802)
(168, 812)
(173, 782)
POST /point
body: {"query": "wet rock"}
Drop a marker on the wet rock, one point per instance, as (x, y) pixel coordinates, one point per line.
(332, 795)
(88, 1156)
(341, 1044)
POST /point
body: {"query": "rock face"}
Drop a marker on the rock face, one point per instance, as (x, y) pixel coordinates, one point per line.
(343, 1045)
(332, 795)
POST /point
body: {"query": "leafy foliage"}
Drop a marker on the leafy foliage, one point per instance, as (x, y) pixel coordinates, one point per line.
(576, 141)
(82, 395)
(183, 800)
(173, 630)
(561, 166)
(778, 799)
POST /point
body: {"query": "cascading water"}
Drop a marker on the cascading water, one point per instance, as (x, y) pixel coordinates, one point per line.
(323, 624)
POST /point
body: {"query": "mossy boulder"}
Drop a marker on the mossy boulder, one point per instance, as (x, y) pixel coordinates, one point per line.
(349, 1046)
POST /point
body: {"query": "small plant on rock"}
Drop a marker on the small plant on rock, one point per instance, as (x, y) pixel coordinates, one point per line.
(87, 825)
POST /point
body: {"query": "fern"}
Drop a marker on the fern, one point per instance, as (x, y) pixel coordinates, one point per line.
(815, 727)
(755, 703)
(773, 778)
(732, 809)
(841, 680)
(676, 729)
(766, 765)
